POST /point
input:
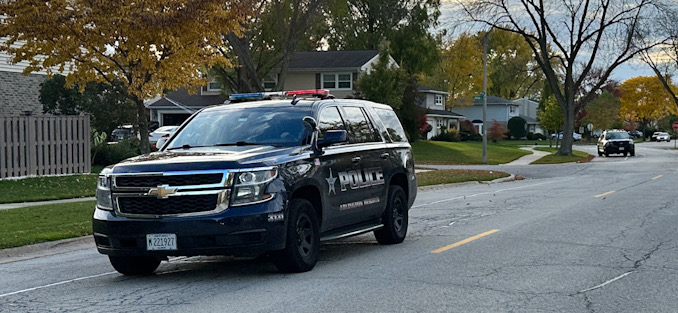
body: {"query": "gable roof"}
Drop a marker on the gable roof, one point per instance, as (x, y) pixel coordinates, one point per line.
(493, 100)
(351, 59)
(183, 98)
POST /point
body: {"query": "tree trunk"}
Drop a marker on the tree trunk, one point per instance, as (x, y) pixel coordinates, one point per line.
(142, 121)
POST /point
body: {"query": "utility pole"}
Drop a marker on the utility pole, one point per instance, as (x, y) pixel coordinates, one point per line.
(485, 39)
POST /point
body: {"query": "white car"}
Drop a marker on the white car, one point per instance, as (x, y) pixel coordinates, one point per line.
(161, 132)
(575, 136)
(661, 136)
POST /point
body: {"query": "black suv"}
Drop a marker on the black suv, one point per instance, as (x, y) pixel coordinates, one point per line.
(273, 176)
(615, 141)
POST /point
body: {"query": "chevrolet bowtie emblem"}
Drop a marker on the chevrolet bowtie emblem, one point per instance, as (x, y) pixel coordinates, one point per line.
(162, 191)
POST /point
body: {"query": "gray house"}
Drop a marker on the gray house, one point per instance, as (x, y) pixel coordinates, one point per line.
(498, 109)
(18, 93)
(528, 111)
(436, 115)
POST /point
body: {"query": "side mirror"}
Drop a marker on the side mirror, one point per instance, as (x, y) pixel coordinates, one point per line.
(333, 137)
(310, 123)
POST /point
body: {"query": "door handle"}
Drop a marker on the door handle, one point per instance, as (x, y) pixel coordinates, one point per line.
(384, 155)
(355, 159)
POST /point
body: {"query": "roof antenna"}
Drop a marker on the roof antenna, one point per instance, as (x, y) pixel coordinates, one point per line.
(295, 100)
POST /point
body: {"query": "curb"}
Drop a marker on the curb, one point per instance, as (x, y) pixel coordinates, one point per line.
(6, 206)
(511, 177)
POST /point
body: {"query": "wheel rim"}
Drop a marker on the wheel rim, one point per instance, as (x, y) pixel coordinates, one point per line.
(398, 214)
(305, 236)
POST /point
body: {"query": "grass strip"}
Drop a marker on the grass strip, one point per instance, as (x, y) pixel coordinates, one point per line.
(35, 224)
(47, 188)
(578, 156)
(437, 177)
(442, 152)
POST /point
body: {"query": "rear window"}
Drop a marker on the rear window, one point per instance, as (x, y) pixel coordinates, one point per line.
(393, 127)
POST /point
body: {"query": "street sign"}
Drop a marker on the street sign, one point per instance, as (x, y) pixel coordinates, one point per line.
(675, 126)
(478, 97)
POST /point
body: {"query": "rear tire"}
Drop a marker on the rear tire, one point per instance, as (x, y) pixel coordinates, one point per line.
(302, 240)
(134, 265)
(395, 218)
(633, 153)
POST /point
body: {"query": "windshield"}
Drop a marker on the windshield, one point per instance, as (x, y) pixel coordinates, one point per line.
(618, 135)
(279, 126)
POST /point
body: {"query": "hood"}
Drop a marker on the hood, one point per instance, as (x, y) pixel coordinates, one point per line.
(206, 158)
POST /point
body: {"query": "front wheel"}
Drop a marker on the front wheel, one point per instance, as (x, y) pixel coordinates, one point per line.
(394, 219)
(303, 239)
(134, 265)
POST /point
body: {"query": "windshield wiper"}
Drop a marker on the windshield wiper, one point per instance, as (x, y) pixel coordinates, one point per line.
(237, 143)
(185, 147)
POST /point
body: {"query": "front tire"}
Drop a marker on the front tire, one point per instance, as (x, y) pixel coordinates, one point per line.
(134, 265)
(395, 218)
(303, 239)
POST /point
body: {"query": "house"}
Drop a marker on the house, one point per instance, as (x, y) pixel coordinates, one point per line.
(498, 109)
(336, 71)
(18, 93)
(528, 111)
(437, 116)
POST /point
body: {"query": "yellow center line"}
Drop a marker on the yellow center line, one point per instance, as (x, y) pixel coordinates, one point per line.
(604, 194)
(657, 177)
(465, 241)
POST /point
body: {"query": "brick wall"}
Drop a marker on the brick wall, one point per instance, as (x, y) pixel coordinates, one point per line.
(19, 93)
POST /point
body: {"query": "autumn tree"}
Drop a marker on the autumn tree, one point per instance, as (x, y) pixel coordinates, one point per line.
(550, 115)
(584, 34)
(497, 131)
(644, 99)
(604, 112)
(148, 45)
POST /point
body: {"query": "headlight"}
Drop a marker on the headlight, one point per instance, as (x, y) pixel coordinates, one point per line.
(104, 199)
(250, 187)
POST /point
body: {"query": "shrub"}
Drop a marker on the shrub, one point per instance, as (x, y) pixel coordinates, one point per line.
(496, 131)
(516, 127)
(450, 135)
(114, 153)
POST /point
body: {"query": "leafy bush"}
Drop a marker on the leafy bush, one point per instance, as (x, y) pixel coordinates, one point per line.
(516, 127)
(497, 131)
(451, 135)
(114, 153)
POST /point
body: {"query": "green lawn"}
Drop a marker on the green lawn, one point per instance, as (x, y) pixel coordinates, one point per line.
(47, 188)
(437, 177)
(578, 156)
(29, 225)
(439, 152)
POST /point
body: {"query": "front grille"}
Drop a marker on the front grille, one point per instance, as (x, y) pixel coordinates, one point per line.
(172, 180)
(171, 205)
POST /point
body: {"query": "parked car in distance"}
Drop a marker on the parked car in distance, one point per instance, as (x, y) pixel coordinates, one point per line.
(615, 141)
(636, 134)
(661, 136)
(123, 132)
(575, 136)
(161, 132)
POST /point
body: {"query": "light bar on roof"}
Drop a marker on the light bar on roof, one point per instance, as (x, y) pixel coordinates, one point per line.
(243, 96)
(321, 92)
(267, 95)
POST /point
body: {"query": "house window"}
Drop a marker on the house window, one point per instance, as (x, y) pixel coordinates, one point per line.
(337, 81)
(269, 82)
(513, 110)
(439, 99)
(213, 85)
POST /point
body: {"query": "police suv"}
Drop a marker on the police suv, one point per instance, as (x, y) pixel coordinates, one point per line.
(275, 176)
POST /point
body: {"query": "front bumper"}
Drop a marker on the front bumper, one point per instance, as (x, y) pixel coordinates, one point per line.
(248, 230)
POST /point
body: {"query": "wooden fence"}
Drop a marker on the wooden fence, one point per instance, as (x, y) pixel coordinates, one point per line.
(49, 145)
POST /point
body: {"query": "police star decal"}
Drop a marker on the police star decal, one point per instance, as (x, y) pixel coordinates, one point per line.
(330, 181)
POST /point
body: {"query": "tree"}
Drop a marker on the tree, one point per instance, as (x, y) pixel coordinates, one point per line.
(550, 115)
(644, 99)
(663, 59)
(107, 105)
(604, 112)
(148, 45)
(516, 126)
(272, 34)
(584, 35)
(497, 131)
(384, 84)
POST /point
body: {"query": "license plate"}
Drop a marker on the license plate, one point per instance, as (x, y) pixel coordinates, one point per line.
(161, 242)
(621, 148)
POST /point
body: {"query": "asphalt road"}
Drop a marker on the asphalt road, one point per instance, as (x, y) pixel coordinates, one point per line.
(590, 237)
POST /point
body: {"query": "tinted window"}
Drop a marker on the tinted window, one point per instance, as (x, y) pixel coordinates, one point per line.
(617, 135)
(392, 124)
(278, 127)
(360, 129)
(329, 119)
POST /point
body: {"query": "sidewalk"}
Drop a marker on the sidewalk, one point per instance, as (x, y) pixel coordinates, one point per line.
(6, 206)
(527, 159)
